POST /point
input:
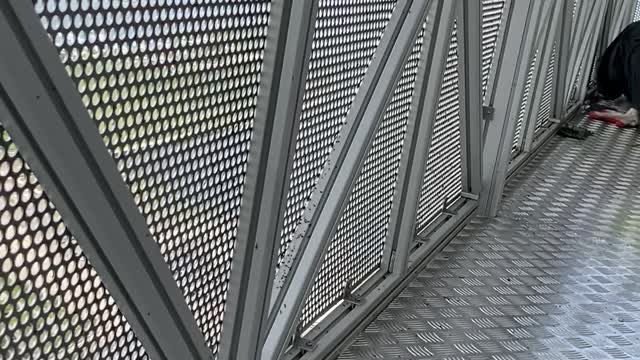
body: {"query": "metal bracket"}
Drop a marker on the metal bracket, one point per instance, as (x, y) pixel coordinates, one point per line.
(470, 196)
(392, 260)
(446, 210)
(300, 342)
(422, 239)
(349, 296)
(487, 112)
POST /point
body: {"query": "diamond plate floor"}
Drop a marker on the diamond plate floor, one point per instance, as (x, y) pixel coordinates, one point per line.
(555, 276)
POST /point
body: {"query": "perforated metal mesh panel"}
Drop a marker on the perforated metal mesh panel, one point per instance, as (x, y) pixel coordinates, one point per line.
(442, 182)
(356, 250)
(172, 86)
(636, 12)
(492, 11)
(54, 305)
(542, 122)
(526, 97)
(347, 33)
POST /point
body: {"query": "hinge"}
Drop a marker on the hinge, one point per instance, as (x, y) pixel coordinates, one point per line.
(487, 112)
(300, 342)
(349, 296)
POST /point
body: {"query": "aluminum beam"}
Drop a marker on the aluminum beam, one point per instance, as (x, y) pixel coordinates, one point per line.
(413, 159)
(586, 24)
(562, 62)
(540, 42)
(591, 54)
(470, 83)
(330, 197)
(621, 17)
(275, 129)
(52, 128)
(489, 97)
(334, 330)
(518, 46)
(549, 31)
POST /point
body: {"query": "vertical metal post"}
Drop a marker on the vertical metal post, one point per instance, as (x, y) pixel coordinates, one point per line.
(538, 71)
(591, 55)
(470, 82)
(332, 192)
(612, 10)
(579, 44)
(413, 160)
(621, 17)
(275, 130)
(545, 49)
(563, 54)
(489, 97)
(47, 120)
(518, 46)
(602, 37)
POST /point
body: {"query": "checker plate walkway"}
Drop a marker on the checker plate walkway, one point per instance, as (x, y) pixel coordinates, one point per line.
(555, 276)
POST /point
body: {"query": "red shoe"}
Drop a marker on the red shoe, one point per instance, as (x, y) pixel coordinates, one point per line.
(607, 116)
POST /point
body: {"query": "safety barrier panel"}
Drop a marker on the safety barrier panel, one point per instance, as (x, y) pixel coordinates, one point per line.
(209, 179)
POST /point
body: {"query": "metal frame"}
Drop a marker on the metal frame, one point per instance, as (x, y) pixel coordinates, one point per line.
(470, 84)
(489, 97)
(545, 51)
(578, 43)
(413, 161)
(71, 161)
(564, 38)
(284, 72)
(621, 16)
(518, 46)
(539, 67)
(330, 342)
(334, 331)
(329, 199)
(586, 25)
(74, 166)
(591, 51)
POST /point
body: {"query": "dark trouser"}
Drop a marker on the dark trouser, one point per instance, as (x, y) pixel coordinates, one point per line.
(632, 90)
(627, 82)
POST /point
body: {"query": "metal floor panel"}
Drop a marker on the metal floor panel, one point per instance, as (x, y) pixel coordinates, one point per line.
(555, 276)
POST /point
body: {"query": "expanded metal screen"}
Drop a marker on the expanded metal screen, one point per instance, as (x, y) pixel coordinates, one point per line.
(526, 97)
(172, 87)
(442, 184)
(636, 12)
(346, 35)
(54, 305)
(356, 250)
(492, 11)
(544, 116)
